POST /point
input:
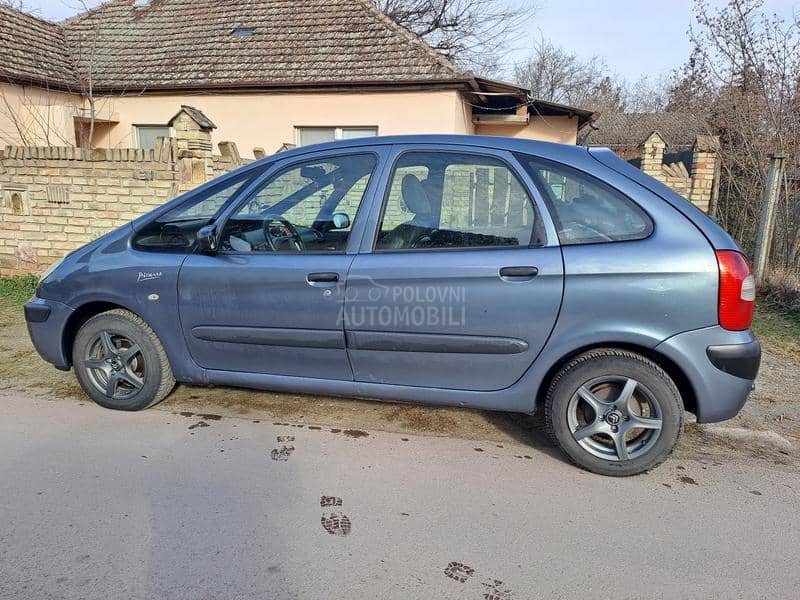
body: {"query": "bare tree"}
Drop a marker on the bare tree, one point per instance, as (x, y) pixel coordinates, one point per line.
(556, 75)
(475, 34)
(34, 111)
(649, 94)
(743, 74)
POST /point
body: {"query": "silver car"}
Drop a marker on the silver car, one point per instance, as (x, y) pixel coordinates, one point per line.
(484, 272)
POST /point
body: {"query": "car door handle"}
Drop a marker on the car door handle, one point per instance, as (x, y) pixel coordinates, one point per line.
(323, 277)
(526, 272)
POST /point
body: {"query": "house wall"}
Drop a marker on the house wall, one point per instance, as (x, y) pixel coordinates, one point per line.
(256, 120)
(31, 115)
(269, 120)
(563, 130)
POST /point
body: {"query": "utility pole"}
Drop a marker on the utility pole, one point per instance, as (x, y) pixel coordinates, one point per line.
(769, 200)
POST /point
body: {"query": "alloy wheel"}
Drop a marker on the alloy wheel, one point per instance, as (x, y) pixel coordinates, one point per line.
(614, 418)
(115, 365)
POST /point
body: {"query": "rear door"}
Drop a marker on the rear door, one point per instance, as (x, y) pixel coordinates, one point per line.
(270, 300)
(459, 280)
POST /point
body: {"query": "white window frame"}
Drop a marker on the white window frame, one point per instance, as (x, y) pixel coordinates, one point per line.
(136, 128)
(338, 131)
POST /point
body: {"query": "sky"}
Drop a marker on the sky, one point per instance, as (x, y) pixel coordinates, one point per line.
(634, 38)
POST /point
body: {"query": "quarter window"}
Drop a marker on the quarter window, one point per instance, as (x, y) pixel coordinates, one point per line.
(453, 200)
(586, 210)
(176, 230)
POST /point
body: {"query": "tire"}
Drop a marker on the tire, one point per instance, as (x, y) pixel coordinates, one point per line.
(120, 362)
(614, 412)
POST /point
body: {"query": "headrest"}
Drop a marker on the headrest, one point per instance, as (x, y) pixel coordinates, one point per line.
(415, 196)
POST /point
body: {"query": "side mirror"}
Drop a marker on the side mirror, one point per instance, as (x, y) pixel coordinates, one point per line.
(207, 239)
(341, 220)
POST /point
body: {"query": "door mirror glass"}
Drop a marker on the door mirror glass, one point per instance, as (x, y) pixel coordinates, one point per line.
(341, 220)
(207, 239)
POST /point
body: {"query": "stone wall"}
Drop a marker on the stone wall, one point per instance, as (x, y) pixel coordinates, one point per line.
(697, 186)
(54, 200)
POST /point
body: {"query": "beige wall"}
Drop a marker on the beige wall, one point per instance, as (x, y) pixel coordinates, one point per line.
(563, 130)
(253, 120)
(31, 115)
(269, 120)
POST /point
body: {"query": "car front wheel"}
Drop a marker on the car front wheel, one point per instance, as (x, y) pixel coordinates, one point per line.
(614, 412)
(120, 362)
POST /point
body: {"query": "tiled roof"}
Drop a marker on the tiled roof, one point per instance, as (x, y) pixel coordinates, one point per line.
(627, 131)
(190, 43)
(33, 50)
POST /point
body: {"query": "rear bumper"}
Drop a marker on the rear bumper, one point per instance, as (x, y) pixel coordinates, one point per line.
(721, 367)
(47, 321)
(739, 360)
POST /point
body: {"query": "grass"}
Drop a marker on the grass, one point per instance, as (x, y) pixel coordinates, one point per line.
(14, 292)
(778, 328)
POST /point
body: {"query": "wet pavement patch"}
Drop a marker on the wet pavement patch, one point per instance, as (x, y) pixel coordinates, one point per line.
(199, 424)
(355, 433)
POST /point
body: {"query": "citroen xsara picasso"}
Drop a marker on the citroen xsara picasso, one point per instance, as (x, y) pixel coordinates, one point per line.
(471, 271)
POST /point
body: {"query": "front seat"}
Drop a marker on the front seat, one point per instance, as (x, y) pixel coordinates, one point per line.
(421, 226)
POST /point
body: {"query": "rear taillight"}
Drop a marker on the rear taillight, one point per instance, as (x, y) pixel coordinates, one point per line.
(737, 291)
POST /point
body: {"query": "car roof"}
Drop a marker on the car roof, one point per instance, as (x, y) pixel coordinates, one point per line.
(563, 151)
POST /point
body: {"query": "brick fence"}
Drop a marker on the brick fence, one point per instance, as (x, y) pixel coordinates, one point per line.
(53, 200)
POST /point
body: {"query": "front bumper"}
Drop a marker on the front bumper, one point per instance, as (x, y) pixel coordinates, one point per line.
(721, 367)
(47, 322)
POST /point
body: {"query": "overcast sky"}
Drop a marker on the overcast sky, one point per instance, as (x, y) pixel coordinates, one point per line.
(635, 38)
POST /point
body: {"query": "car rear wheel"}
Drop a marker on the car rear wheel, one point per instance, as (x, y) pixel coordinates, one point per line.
(120, 362)
(614, 412)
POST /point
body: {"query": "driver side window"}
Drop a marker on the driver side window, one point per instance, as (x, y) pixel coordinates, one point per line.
(309, 207)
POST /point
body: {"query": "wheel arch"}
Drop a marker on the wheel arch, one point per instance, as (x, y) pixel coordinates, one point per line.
(688, 395)
(82, 314)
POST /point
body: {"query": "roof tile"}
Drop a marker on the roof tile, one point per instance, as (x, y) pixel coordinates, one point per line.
(189, 43)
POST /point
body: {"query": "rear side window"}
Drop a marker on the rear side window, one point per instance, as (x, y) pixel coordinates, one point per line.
(456, 200)
(586, 210)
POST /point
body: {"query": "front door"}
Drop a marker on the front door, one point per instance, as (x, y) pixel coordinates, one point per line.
(270, 300)
(459, 288)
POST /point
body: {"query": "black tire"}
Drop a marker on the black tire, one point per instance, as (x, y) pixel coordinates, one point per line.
(117, 350)
(619, 448)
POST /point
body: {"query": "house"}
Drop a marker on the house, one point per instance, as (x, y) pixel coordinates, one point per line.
(271, 74)
(676, 148)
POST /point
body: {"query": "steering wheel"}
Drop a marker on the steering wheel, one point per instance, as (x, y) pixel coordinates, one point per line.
(287, 231)
(423, 240)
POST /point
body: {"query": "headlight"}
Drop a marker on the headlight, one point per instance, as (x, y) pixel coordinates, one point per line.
(49, 270)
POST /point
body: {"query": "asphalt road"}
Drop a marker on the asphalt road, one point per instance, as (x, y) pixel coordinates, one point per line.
(155, 505)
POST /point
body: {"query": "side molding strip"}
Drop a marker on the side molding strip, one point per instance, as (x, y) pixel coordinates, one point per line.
(433, 342)
(270, 336)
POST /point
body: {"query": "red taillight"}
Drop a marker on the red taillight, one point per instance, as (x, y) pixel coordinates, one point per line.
(737, 291)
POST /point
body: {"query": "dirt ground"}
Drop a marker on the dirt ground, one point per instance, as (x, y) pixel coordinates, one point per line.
(767, 429)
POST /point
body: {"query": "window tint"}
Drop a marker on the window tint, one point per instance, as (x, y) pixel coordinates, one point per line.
(176, 230)
(586, 210)
(308, 207)
(452, 200)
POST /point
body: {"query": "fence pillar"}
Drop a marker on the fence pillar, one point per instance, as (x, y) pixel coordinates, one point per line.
(769, 200)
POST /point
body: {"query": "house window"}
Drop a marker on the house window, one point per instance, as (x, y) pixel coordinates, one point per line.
(146, 135)
(320, 135)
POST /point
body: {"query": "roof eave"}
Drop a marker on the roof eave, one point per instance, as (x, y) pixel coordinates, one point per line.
(285, 86)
